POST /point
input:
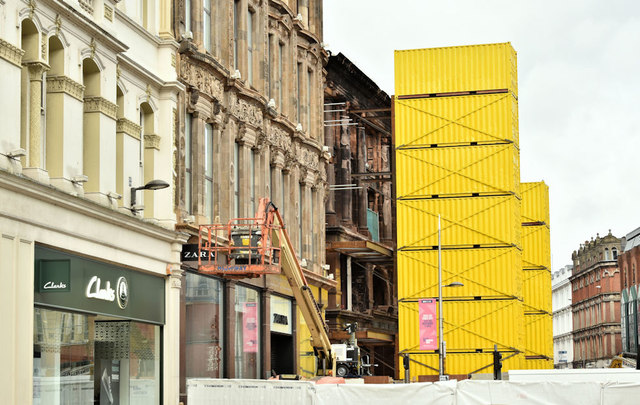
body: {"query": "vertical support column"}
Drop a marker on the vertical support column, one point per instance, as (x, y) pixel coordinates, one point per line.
(363, 199)
(242, 39)
(273, 67)
(196, 23)
(369, 279)
(349, 284)
(164, 19)
(230, 332)
(151, 152)
(277, 162)
(387, 209)
(218, 162)
(197, 164)
(35, 139)
(344, 172)
(266, 333)
(171, 346)
(303, 10)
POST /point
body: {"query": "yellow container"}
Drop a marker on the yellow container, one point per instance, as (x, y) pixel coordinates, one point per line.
(487, 170)
(465, 222)
(538, 340)
(469, 326)
(445, 121)
(535, 202)
(536, 290)
(536, 247)
(456, 68)
(484, 273)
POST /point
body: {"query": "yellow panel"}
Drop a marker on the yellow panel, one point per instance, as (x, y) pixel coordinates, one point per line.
(306, 359)
(490, 118)
(457, 170)
(488, 221)
(484, 272)
(535, 202)
(536, 290)
(536, 247)
(468, 327)
(539, 337)
(457, 68)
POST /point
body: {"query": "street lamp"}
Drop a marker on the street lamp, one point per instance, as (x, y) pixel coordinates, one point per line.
(152, 185)
(441, 343)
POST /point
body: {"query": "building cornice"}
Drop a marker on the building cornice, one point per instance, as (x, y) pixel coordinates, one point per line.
(100, 105)
(66, 85)
(11, 53)
(128, 127)
(83, 206)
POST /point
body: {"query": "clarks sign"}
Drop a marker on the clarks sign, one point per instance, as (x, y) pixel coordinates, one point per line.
(107, 293)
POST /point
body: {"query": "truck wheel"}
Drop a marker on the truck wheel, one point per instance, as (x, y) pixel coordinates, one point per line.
(342, 370)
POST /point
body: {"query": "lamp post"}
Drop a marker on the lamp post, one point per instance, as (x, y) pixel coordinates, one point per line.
(152, 185)
(442, 345)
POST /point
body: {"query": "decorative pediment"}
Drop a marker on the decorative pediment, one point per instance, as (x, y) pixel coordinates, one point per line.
(279, 138)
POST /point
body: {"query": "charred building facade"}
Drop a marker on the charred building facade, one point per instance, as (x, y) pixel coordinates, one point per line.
(359, 212)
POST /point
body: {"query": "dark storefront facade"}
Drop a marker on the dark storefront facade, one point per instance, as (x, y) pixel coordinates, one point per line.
(97, 332)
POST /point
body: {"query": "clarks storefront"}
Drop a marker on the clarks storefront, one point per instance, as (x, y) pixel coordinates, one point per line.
(97, 332)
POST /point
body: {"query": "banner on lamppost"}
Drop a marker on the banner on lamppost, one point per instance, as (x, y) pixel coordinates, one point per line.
(428, 332)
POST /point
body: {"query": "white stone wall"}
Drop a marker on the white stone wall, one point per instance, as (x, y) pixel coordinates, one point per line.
(562, 317)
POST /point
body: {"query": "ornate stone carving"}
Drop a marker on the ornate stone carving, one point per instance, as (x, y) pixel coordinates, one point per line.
(201, 79)
(245, 112)
(307, 158)
(43, 48)
(279, 138)
(10, 53)
(128, 127)
(64, 84)
(108, 13)
(101, 105)
(152, 141)
(87, 5)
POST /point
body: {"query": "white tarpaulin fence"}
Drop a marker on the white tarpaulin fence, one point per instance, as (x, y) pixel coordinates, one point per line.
(240, 392)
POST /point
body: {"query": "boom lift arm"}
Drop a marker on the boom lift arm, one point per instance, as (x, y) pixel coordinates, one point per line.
(264, 246)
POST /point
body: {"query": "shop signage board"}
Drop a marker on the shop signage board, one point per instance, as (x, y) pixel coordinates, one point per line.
(54, 276)
(281, 315)
(87, 285)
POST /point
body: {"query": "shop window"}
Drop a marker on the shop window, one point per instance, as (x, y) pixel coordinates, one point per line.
(85, 359)
(247, 334)
(204, 327)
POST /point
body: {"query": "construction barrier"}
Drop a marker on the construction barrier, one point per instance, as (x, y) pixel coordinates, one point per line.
(468, 392)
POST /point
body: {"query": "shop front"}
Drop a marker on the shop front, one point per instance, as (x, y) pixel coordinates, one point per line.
(97, 332)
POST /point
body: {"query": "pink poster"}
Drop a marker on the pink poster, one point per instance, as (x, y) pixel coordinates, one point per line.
(250, 327)
(428, 333)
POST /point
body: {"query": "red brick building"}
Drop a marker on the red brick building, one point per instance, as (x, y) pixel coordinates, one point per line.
(595, 284)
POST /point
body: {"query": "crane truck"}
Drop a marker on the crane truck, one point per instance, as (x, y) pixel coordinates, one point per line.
(252, 247)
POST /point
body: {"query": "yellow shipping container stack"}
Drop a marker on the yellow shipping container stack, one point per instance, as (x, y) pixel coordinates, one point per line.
(536, 266)
(457, 157)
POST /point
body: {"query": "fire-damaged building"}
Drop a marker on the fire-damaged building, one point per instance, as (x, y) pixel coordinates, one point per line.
(359, 212)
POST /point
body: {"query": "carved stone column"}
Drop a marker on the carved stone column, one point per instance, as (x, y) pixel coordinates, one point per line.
(35, 145)
(172, 334)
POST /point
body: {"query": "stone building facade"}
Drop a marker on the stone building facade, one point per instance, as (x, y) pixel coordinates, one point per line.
(89, 96)
(595, 285)
(359, 212)
(250, 126)
(562, 318)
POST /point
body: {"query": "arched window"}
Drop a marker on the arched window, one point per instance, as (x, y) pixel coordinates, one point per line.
(55, 112)
(91, 124)
(606, 254)
(614, 251)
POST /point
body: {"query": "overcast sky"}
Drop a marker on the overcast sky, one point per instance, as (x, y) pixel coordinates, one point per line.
(578, 88)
